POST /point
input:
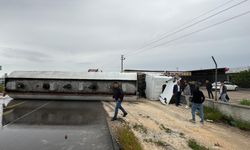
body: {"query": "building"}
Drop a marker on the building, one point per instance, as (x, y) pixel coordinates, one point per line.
(207, 74)
(192, 75)
(163, 72)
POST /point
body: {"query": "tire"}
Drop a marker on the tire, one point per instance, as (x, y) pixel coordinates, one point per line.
(236, 89)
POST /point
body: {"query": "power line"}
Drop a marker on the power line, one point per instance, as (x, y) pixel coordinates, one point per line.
(205, 13)
(202, 29)
(193, 24)
(191, 20)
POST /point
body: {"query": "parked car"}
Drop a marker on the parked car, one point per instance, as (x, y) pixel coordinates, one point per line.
(230, 86)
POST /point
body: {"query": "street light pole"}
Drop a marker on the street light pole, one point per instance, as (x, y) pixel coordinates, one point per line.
(122, 59)
(216, 72)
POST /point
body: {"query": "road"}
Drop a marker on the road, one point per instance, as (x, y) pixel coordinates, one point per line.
(235, 96)
(58, 125)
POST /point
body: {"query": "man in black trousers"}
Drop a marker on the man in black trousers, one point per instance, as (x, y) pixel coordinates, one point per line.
(209, 89)
(118, 96)
(177, 93)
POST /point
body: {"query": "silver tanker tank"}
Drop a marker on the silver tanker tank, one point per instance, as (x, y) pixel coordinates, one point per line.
(54, 85)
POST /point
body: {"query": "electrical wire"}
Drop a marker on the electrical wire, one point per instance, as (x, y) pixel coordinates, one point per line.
(191, 25)
(194, 32)
(189, 21)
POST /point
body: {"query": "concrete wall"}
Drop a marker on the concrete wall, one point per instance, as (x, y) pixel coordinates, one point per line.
(239, 112)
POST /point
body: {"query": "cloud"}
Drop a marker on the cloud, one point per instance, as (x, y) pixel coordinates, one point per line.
(22, 54)
(81, 34)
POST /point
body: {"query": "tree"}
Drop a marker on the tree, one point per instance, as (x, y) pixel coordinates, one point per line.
(242, 79)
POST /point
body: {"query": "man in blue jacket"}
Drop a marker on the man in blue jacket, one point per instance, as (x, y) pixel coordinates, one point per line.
(118, 96)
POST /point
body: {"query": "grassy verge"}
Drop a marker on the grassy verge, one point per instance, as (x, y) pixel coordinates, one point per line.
(195, 146)
(217, 116)
(127, 139)
(245, 102)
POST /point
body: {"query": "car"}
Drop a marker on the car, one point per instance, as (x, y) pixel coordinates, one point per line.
(230, 86)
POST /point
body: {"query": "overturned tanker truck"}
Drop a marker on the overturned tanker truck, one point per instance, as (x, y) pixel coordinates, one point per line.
(54, 85)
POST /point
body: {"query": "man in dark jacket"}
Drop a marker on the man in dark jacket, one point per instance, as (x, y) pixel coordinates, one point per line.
(177, 93)
(209, 89)
(118, 96)
(197, 100)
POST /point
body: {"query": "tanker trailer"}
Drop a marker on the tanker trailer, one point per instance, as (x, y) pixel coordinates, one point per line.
(55, 85)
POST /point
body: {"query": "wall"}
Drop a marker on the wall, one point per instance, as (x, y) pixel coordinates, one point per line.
(240, 112)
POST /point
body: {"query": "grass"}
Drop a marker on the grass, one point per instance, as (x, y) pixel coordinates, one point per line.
(167, 130)
(158, 142)
(1, 88)
(217, 116)
(212, 114)
(140, 128)
(195, 146)
(127, 139)
(245, 102)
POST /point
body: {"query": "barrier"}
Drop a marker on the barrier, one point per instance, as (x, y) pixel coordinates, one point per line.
(239, 112)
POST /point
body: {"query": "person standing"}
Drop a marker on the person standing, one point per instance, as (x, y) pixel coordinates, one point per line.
(187, 93)
(223, 92)
(177, 93)
(209, 89)
(197, 100)
(118, 96)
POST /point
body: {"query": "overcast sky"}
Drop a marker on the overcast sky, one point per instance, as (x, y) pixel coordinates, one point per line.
(75, 35)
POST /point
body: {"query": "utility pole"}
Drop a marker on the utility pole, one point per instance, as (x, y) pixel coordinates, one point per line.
(122, 59)
(216, 67)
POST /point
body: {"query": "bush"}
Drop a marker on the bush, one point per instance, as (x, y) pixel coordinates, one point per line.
(242, 79)
(195, 146)
(156, 142)
(212, 114)
(245, 102)
(1, 88)
(140, 128)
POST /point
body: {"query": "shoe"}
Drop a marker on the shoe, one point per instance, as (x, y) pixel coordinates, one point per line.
(125, 114)
(186, 107)
(202, 122)
(113, 119)
(191, 120)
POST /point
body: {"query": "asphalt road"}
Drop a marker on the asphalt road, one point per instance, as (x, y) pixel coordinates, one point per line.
(235, 96)
(54, 125)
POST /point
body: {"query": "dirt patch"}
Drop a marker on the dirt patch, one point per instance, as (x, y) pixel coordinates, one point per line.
(167, 127)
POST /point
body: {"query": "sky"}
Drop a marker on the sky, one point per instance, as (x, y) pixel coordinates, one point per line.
(76, 35)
